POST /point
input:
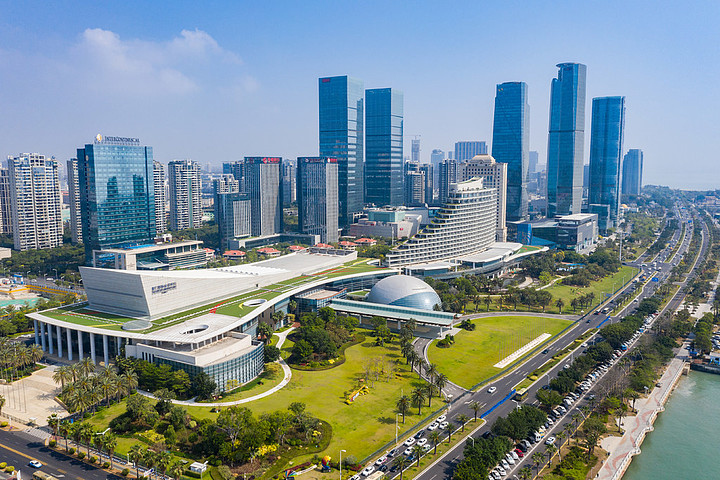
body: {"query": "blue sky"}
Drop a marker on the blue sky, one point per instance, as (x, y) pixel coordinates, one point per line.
(215, 81)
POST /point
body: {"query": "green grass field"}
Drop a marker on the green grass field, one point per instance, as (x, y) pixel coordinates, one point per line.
(470, 360)
(601, 288)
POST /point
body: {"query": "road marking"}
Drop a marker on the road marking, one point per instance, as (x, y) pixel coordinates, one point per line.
(18, 453)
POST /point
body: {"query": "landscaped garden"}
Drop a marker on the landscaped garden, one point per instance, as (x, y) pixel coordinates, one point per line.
(470, 359)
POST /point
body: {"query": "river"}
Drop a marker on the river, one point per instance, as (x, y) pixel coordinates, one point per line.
(683, 445)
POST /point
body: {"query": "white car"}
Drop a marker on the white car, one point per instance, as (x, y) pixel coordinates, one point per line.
(550, 441)
(433, 426)
(422, 441)
(443, 425)
(368, 470)
(408, 451)
(410, 441)
(509, 459)
(492, 389)
(502, 471)
(355, 477)
(504, 464)
(35, 464)
(380, 461)
(514, 455)
(441, 418)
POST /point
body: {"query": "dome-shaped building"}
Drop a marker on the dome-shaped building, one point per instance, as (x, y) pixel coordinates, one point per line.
(404, 290)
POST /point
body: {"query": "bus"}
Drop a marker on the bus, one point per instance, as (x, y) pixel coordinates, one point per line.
(43, 476)
(521, 395)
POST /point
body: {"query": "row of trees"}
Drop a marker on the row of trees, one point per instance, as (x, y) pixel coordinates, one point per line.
(153, 377)
(17, 359)
(321, 335)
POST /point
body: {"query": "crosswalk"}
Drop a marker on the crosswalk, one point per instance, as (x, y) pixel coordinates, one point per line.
(37, 433)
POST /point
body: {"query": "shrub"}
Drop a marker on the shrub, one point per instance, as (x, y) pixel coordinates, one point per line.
(93, 459)
(106, 464)
(125, 472)
(224, 472)
(81, 455)
(3, 465)
(3, 424)
(9, 469)
(52, 443)
(71, 450)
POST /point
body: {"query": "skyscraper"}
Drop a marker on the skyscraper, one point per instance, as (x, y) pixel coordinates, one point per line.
(632, 172)
(185, 194)
(289, 181)
(232, 210)
(606, 147)
(533, 161)
(117, 194)
(262, 181)
(384, 174)
(469, 149)
(36, 204)
(510, 144)
(415, 152)
(494, 175)
(159, 189)
(342, 134)
(5, 203)
(237, 170)
(566, 140)
(317, 188)
(428, 170)
(74, 195)
(448, 176)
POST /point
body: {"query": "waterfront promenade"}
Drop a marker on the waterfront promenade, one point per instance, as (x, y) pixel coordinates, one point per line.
(622, 449)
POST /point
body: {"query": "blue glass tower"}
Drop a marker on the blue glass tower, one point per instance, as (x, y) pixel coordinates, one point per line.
(566, 140)
(632, 172)
(511, 144)
(384, 169)
(342, 134)
(117, 195)
(606, 146)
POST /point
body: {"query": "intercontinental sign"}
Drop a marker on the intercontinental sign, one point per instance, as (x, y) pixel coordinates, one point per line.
(99, 139)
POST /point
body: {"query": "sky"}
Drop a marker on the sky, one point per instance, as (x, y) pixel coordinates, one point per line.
(216, 81)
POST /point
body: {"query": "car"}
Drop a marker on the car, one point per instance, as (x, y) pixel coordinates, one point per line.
(427, 448)
(35, 464)
(562, 409)
(443, 425)
(419, 434)
(509, 459)
(550, 420)
(502, 471)
(380, 461)
(519, 452)
(566, 366)
(492, 389)
(433, 426)
(355, 477)
(392, 452)
(383, 468)
(550, 441)
(514, 455)
(422, 441)
(504, 464)
(409, 441)
(544, 352)
(441, 418)
(408, 451)
(368, 470)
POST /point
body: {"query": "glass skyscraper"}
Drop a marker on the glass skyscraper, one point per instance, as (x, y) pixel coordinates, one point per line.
(317, 190)
(117, 195)
(384, 169)
(342, 115)
(632, 172)
(468, 150)
(606, 146)
(566, 139)
(511, 144)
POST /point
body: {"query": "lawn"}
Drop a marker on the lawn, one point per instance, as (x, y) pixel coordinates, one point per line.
(470, 360)
(601, 288)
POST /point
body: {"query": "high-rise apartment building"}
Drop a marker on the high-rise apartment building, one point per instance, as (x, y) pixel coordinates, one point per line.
(232, 210)
(317, 187)
(469, 149)
(533, 158)
(448, 176)
(117, 194)
(414, 188)
(237, 170)
(289, 181)
(494, 175)
(511, 144)
(74, 196)
(159, 189)
(36, 204)
(342, 134)
(606, 148)
(384, 167)
(566, 139)
(632, 172)
(415, 151)
(5, 203)
(185, 194)
(428, 170)
(262, 181)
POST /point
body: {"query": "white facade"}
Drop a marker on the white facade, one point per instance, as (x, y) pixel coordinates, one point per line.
(465, 224)
(495, 176)
(185, 194)
(159, 189)
(74, 194)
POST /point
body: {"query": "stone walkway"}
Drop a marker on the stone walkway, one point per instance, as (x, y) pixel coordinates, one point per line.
(32, 399)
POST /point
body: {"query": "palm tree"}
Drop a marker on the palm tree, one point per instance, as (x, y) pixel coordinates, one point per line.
(537, 459)
(435, 439)
(422, 365)
(99, 441)
(2, 402)
(400, 462)
(150, 459)
(487, 301)
(135, 455)
(163, 460)
(403, 404)
(64, 430)
(525, 473)
(412, 357)
(475, 407)
(36, 353)
(429, 390)
(54, 422)
(440, 382)
(418, 398)
(110, 445)
(62, 375)
(418, 452)
(551, 449)
(431, 371)
(450, 428)
(560, 436)
(128, 382)
(560, 304)
(175, 469)
(85, 367)
(463, 419)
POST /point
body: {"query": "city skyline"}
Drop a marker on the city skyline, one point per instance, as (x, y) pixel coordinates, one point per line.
(248, 106)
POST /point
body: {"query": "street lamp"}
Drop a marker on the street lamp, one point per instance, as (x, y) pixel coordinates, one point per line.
(56, 272)
(340, 463)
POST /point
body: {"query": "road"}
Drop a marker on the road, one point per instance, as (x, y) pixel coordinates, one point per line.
(18, 448)
(444, 466)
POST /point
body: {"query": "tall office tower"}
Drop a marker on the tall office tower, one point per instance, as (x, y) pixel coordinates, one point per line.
(317, 187)
(36, 204)
(468, 150)
(415, 152)
(74, 194)
(448, 176)
(289, 182)
(185, 194)
(159, 189)
(566, 140)
(384, 179)
(117, 194)
(533, 158)
(428, 170)
(5, 202)
(232, 210)
(262, 180)
(511, 142)
(586, 180)
(237, 170)
(342, 116)
(415, 188)
(632, 172)
(494, 175)
(606, 147)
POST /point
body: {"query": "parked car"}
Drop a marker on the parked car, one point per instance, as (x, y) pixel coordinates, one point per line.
(368, 470)
(409, 441)
(550, 441)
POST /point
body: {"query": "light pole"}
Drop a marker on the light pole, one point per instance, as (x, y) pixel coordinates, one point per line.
(340, 463)
(56, 272)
